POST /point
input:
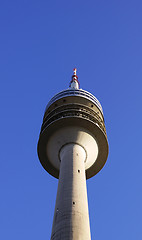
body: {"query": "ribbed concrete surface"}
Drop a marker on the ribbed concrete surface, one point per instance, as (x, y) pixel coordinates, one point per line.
(71, 218)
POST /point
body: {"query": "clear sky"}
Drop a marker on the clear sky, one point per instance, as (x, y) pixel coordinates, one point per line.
(40, 43)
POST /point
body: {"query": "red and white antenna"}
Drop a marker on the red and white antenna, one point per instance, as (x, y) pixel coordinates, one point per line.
(74, 83)
(74, 70)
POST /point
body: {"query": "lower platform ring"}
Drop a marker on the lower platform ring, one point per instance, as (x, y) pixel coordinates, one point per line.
(98, 134)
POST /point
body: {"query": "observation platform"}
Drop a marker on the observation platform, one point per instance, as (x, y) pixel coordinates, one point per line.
(73, 116)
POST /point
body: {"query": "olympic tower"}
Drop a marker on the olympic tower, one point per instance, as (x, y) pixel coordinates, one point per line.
(72, 147)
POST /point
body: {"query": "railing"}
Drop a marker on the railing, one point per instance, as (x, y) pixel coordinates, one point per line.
(73, 113)
(75, 92)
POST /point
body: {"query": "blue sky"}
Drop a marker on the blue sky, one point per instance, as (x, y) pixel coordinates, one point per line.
(40, 43)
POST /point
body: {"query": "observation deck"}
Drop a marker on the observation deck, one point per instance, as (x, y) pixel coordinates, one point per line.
(73, 116)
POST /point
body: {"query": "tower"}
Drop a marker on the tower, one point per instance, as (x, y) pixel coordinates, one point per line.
(73, 147)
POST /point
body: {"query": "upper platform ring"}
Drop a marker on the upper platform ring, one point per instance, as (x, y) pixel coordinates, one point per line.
(75, 92)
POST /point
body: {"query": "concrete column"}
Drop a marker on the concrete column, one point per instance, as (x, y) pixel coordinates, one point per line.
(71, 218)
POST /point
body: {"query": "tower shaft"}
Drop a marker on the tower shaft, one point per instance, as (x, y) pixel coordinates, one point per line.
(71, 217)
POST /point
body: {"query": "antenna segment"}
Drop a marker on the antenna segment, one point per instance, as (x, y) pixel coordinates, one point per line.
(74, 83)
